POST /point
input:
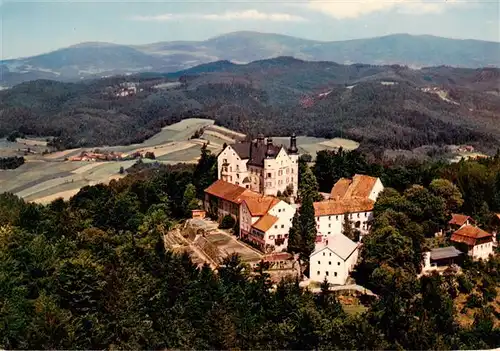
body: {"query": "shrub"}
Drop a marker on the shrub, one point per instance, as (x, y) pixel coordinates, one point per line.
(474, 301)
(227, 222)
(464, 284)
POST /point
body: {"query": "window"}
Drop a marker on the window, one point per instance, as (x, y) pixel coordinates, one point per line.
(358, 215)
(238, 175)
(271, 236)
(338, 263)
(237, 183)
(279, 209)
(330, 253)
(224, 160)
(282, 226)
(330, 233)
(230, 169)
(276, 227)
(237, 168)
(337, 218)
(319, 262)
(330, 263)
(335, 273)
(317, 272)
(329, 225)
(326, 273)
(279, 236)
(286, 236)
(323, 254)
(269, 175)
(329, 218)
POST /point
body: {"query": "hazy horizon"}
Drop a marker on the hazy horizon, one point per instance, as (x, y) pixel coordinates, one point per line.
(58, 24)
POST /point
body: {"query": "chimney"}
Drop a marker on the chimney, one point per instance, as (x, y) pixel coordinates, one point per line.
(292, 150)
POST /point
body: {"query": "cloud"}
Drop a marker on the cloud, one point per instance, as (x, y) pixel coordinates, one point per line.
(225, 16)
(342, 9)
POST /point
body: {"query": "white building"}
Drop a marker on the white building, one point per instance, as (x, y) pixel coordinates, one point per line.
(473, 241)
(266, 222)
(354, 198)
(225, 199)
(334, 259)
(260, 166)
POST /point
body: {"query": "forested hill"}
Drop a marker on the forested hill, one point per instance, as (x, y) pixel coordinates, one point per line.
(385, 106)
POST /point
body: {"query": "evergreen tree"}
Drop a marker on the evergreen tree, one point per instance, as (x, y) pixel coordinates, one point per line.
(347, 228)
(308, 186)
(205, 172)
(307, 227)
(295, 236)
(189, 201)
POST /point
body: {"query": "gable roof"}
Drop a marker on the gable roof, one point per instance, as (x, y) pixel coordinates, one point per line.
(469, 235)
(339, 207)
(445, 252)
(339, 244)
(265, 223)
(260, 205)
(360, 186)
(230, 192)
(459, 219)
(340, 188)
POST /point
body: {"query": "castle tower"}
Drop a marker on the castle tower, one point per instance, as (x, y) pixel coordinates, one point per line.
(293, 153)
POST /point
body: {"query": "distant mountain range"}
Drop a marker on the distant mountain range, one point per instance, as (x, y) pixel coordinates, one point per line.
(97, 60)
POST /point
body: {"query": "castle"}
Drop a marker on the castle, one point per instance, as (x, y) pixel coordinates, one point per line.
(261, 166)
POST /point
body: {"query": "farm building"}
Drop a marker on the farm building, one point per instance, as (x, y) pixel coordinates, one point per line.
(473, 241)
(333, 259)
(353, 198)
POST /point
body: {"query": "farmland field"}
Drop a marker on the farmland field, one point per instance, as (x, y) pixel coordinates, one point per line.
(44, 177)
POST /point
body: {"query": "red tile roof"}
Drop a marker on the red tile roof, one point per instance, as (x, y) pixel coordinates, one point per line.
(230, 192)
(459, 219)
(470, 235)
(265, 223)
(360, 186)
(338, 207)
(340, 188)
(260, 205)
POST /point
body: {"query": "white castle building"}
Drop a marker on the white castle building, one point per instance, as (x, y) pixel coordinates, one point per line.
(260, 166)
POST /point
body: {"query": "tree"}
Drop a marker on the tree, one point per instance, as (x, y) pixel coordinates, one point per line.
(122, 170)
(449, 192)
(308, 186)
(295, 236)
(347, 228)
(307, 228)
(205, 172)
(150, 155)
(189, 201)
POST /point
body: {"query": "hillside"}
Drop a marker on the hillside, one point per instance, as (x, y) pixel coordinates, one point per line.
(382, 106)
(103, 59)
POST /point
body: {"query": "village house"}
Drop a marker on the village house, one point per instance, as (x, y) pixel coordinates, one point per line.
(260, 166)
(224, 199)
(266, 221)
(473, 241)
(457, 221)
(439, 259)
(333, 259)
(354, 198)
(263, 220)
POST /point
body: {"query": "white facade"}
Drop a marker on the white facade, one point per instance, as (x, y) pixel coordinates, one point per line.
(270, 232)
(333, 260)
(263, 168)
(280, 172)
(481, 251)
(230, 167)
(329, 225)
(376, 190)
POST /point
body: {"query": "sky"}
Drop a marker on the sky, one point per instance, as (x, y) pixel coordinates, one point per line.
(33, 27)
